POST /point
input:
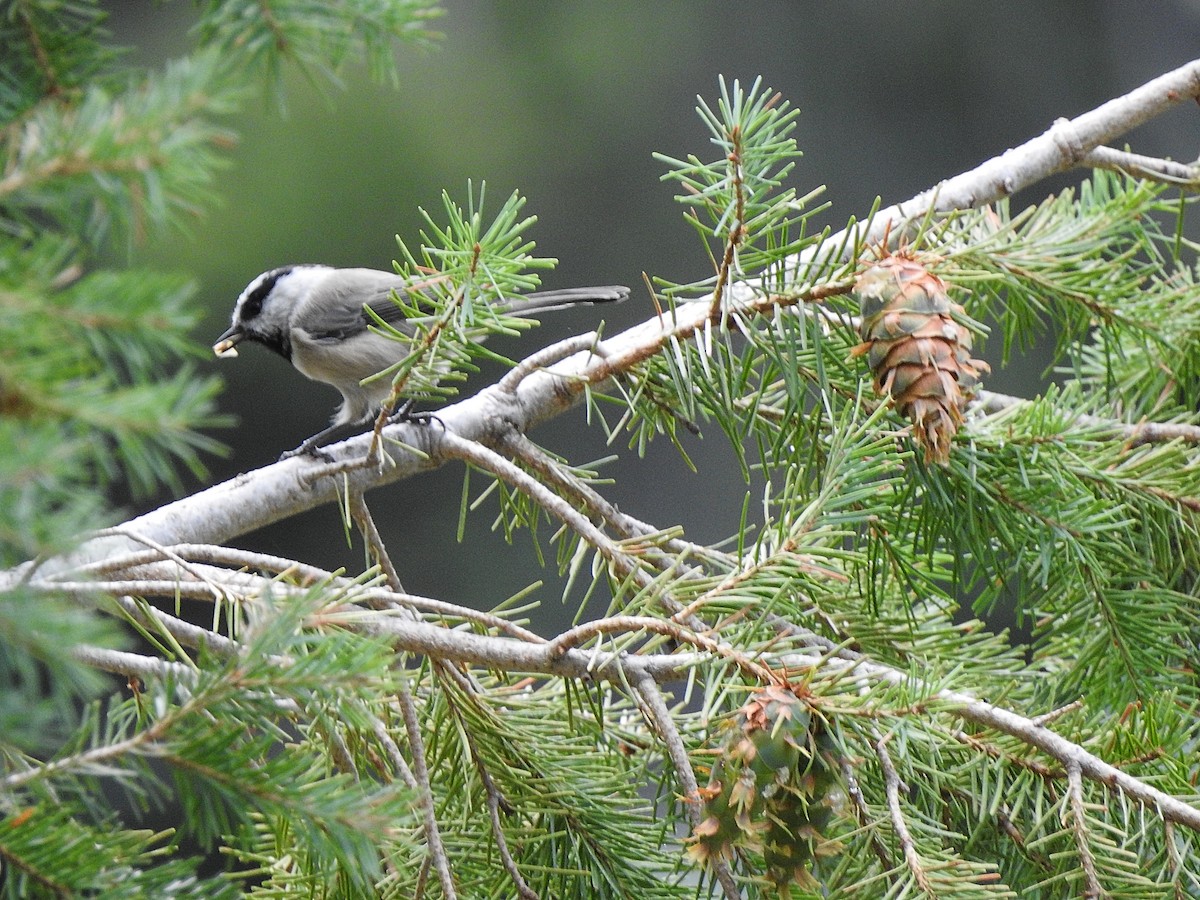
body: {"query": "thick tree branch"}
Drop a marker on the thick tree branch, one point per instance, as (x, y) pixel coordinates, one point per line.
(278, 491)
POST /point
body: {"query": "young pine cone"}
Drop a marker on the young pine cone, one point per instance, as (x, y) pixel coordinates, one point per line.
(773, 790)
(919, 352)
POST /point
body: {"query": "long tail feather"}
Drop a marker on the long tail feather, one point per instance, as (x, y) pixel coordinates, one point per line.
(547, 301)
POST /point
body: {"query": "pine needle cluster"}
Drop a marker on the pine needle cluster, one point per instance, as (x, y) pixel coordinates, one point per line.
(1050, 514)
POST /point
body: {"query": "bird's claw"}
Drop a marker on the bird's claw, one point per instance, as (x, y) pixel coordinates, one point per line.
(405, 415)
(303, 450)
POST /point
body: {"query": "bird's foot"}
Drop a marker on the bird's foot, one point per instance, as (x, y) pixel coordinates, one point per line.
(406, 415)
(307, 449)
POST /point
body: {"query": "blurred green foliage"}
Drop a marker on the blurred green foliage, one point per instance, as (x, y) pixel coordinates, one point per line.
(99, 393)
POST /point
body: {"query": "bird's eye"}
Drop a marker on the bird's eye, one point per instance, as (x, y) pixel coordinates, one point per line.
(252, 307)
(253, 304)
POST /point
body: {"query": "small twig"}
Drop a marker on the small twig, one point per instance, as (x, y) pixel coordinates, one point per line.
(863, 814)
(495, 802)
(392, 749)
(361, 514)
(1040, 769)
(1010, 830)
(1152, 168)
(192, 590)
(737, 227)
(891, 782)
(1091, 882)
(548, 356)
(506, 859)
(1134, 434)
(339, 751)
(53, 84)
(598, 506)
(663, 723)
(490, 461)
(422, 880)
(87, 759)
(581, 633)
(167, 553)
(353, 591)
(318, 470)
(135, 665)
(1174, 857)
(212, 554)
(1046, 718)
(408, 705)
(423, 344)
(433, 835)
(661, 720)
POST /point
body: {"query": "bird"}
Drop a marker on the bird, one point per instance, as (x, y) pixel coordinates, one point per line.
(322, 320)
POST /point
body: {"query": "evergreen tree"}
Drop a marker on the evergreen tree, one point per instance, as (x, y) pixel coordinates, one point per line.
(819, 707)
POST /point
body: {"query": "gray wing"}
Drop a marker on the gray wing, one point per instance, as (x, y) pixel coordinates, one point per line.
(342, 315)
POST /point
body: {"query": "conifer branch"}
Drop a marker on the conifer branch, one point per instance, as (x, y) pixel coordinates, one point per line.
(278, 491)
(543, 657)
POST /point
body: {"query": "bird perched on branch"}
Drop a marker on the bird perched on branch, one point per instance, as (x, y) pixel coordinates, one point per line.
(326, 322)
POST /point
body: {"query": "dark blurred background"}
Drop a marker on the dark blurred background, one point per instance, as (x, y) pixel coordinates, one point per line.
(566, 102)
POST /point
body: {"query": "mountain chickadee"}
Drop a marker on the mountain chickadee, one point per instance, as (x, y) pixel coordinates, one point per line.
(315, 318)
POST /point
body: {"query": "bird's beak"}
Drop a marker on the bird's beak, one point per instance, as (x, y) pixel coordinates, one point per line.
(226, 345)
